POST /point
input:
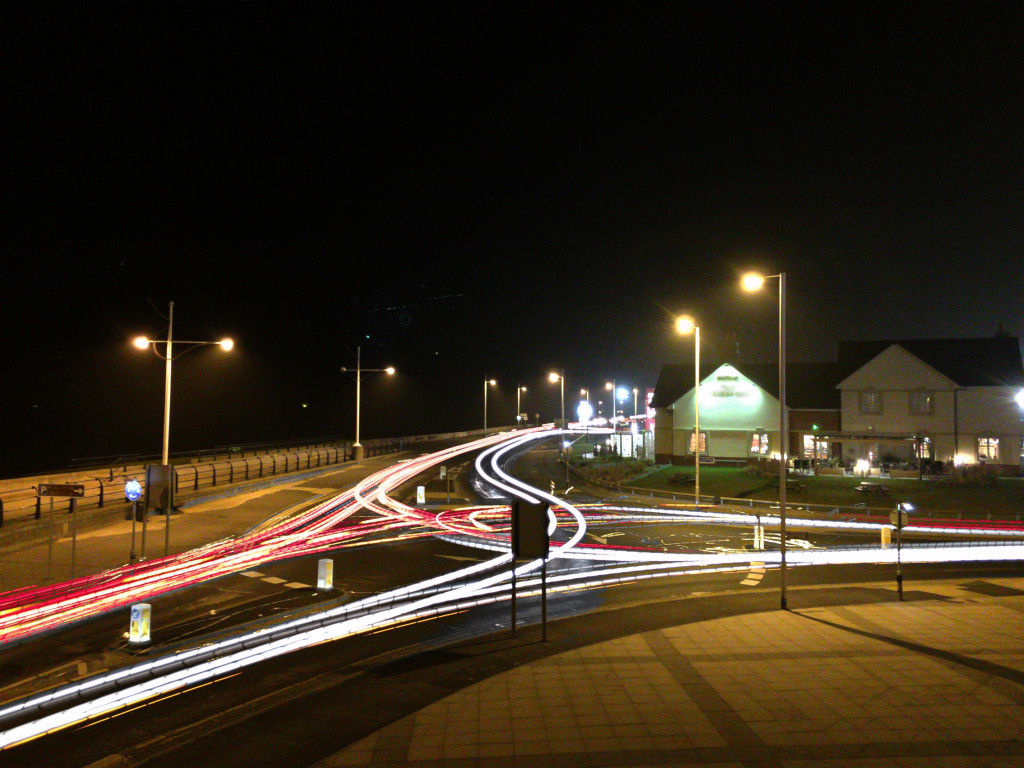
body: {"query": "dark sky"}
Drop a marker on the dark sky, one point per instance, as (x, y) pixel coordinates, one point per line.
(483, 189)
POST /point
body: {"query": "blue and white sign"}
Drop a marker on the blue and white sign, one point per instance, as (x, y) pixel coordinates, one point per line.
(132, 490)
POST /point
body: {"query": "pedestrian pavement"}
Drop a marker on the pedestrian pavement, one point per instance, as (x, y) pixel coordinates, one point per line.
(204, 519)
(936, 682)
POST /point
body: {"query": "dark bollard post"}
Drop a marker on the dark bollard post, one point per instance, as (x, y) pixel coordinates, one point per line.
(231, 472)
(100, 481)
(260, 460)
(246, 468)
(195, 477)
(273, 466)
(1, 513)
(213, 466)
(39, 513)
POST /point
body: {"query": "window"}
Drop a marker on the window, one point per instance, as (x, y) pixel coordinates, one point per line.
(921, 402)
(759, 443)
(810, 443)
(870, 401)
(988, 449)
(925, 451)
(703, 442)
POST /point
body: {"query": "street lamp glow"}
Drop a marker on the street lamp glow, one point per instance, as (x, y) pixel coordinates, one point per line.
(1020, 398)
(390, 370)
(752, 281)
(685, 324)
(560, 377)
(226, 344)
(584, 411)
(553, 377)
(140, 342)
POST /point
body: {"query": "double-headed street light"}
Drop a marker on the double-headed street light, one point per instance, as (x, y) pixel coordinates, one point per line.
(357, 448)
(687, 325)
(752, 281)
(560, 377)
(143, 342)
(487, 383)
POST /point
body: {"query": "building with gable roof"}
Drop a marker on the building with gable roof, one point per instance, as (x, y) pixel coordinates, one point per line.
(950, 400)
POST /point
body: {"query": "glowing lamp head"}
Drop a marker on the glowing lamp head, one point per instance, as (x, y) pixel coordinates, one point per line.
(584, 411)
(685, 324)
(622, 393)
(140, 342)
(752, 281)
(226, 344)
(1020, 399)
(390, 370)
(492, 382)
(553, 377)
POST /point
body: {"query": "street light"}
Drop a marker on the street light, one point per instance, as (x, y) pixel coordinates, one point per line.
(585, 393)
(357, 447)
(487, 383)
(142, 342)
(612, 386)
(752, 281)
(687, 325)
(636, 394)
(519, 407)
(560, 377)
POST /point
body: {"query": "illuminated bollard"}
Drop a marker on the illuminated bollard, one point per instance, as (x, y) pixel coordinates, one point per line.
(138, 629)
(886, 537)
(325, 575)
(758, 537)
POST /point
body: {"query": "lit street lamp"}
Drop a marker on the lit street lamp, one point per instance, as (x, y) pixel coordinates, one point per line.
(753, 281)
(357, 448)
(686, 325)
(560, 377)
(487, 383)
(142, 342)
(519, 407)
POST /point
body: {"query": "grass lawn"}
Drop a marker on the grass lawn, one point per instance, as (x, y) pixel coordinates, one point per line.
(1005, 499)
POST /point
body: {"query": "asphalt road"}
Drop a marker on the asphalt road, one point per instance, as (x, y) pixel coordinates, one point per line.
(302, 707)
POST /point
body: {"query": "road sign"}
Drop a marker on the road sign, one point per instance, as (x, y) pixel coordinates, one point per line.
(899, 518)
(132, 490)
(53, 489)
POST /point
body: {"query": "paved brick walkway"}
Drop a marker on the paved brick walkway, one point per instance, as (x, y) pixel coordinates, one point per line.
(929, 684)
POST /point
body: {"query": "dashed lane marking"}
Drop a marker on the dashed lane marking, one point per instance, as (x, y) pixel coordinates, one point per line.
(298, 585)
(253, 574)
(754, 577)
(274, 580)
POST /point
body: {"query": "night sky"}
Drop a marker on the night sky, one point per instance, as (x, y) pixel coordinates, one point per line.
(480, 189)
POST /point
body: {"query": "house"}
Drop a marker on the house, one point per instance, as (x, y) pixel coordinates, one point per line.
(950, 400)
(739, 411)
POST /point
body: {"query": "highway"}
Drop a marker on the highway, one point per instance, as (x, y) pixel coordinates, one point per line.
(430, 576)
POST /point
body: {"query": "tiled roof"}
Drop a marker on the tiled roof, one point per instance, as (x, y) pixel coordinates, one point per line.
(808, 385)
(990, 362)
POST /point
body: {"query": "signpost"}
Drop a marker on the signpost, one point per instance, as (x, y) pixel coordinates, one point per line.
(70, 491)
(899, 518)
(530, 539)
(132, 492)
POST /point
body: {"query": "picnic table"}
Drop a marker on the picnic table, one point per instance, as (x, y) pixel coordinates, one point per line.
(870, 488)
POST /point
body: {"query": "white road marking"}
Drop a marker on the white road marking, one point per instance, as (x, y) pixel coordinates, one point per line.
(274, 580)
(297, 585)
(252, 574)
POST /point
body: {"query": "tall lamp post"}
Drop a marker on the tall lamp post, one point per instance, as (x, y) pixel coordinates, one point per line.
(686, 325)
(636, 394)
(614, 387)
(753, 281)
(487, 383)
(142, 342)
(358, 452)
(519, 407)
(560, 377)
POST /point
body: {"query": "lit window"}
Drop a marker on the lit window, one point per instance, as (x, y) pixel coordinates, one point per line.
(810, 444)
(925, 446)
(920, 402)
(870, 401)
(988, 448)
(703, 442)
(759, 443)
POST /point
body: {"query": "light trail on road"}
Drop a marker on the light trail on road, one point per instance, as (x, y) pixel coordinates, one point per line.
(579, 566)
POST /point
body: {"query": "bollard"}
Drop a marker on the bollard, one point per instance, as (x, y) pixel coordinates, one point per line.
(886, 537)
(138, 629)
(325, 574)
